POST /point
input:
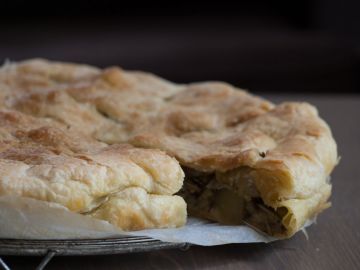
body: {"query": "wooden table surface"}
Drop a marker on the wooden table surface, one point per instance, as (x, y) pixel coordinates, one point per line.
(334, 242)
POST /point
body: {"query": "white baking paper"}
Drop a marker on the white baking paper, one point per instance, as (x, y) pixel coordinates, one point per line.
(25, 218)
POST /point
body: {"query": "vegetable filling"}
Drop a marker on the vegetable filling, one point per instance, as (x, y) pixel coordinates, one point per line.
(230, 198)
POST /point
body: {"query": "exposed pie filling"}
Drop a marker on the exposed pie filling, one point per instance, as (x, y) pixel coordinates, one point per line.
(231, 198)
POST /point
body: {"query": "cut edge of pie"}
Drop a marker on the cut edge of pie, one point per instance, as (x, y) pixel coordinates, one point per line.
(275, 191)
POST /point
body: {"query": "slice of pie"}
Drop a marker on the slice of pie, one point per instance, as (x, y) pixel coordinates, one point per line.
(246, 160)
(131, 188)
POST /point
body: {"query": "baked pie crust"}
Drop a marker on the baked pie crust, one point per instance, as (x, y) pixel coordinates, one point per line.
(129, 187)
(245, 159)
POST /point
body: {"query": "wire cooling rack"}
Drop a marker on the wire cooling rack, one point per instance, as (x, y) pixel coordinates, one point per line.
(50, 248)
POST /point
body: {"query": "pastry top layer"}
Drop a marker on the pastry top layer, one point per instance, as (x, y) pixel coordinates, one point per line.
(208, 126)
(43, 159)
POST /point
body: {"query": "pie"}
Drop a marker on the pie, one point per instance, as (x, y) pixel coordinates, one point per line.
(246, 160)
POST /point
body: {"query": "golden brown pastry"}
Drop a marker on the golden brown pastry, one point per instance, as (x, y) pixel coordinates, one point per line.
(245, 159)
(131, 188)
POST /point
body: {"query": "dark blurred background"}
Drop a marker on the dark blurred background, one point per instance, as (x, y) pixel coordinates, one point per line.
(277, 46)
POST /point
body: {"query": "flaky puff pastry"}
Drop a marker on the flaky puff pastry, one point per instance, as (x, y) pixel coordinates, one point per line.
(131, 188)
(278, 157)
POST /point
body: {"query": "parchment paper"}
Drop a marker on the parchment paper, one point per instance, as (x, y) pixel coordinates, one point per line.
(25, 218)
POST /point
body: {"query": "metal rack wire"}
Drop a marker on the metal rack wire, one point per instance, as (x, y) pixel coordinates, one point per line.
(50, 248)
